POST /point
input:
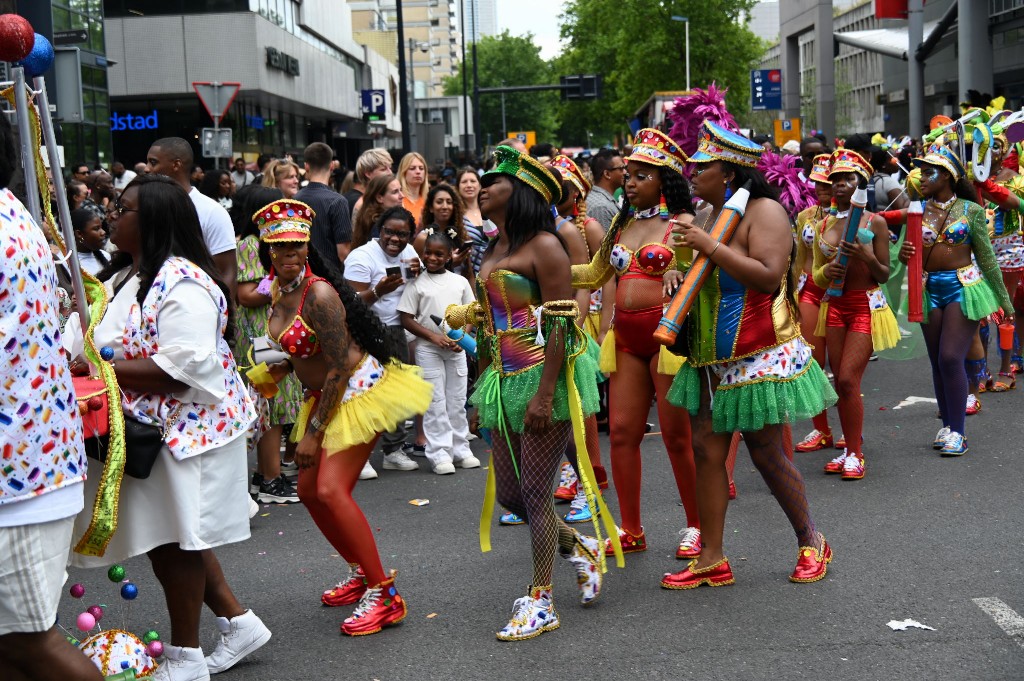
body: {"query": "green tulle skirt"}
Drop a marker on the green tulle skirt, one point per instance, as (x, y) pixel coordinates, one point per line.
(977, 301)
(749, 407)
(495, 396)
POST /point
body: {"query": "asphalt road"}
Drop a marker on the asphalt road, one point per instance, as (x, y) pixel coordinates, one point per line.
(920, 537)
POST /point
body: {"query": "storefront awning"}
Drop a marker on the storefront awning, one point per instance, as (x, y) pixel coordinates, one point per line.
(892, 42)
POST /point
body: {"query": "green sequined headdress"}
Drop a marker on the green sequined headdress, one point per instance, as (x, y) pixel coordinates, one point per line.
(528, 169)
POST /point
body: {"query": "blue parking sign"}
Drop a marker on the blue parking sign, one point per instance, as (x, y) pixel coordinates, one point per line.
(373, 103)
(765, 89)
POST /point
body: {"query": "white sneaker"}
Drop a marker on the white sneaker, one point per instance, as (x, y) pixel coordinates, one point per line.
(239, 636)
(181, 664)
(398, 461)
(940, 437)
(532, 615)
(367, 473)
(444, 468)
(254, 508)
(469, 461)
(584, 558)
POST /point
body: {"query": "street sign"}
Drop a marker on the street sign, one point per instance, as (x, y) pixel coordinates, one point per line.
(216, 97)
(765, 89)
(72, 37)
(374, 107)
(527, 137)
(787, 129)
(217, 142)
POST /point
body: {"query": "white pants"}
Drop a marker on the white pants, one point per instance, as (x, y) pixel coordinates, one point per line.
(445, 423)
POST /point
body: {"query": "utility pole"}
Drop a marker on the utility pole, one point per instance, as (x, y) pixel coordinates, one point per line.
(476, 87)
(465, 80)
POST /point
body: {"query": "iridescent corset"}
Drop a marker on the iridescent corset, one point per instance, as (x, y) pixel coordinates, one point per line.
(730, 321)
(508, 301)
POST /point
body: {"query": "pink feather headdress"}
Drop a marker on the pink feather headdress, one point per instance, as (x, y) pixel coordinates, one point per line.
(783, 173)
(690, 111)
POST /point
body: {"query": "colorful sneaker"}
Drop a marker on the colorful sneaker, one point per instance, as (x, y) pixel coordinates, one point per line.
(840, 443)
(532, 615)
(380, 607)
(814, 441)
(588, 567)
(853, 467)
(940, 437)
(566, 490)
(510, 518)
(732, 490)
(836, 464)
(719, 574)
(239, 636)
(812, 564)
(631, 543)
(689, 543)
(973, 404)
(348, 590)
(579, 509)
(954, 445)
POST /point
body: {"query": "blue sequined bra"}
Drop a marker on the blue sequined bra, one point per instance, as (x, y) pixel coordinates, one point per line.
(956, 234)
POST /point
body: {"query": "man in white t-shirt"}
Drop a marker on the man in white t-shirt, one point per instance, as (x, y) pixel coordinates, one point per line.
(122, 176)
(378, 271)
(172, 156)
(240, 175)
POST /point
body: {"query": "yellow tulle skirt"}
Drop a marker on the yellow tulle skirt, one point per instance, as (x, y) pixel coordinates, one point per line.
(378, 398)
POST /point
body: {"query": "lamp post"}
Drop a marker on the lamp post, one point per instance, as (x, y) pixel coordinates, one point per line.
(403, 85)
(686, 20)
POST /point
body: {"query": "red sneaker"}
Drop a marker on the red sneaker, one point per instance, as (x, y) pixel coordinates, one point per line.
(732, 490)
(348, 591)
(380, 607)
(689, 543)
(566, 490)
(836, 464)
(812, 564)
(719, 574)
(630, 543)
(853, 467)
(814, 441)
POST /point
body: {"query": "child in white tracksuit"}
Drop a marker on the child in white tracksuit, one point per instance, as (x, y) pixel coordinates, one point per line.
(442, 360)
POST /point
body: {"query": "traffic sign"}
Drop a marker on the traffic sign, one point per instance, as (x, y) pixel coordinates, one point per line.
(217, 142)
(216, 97)
(765, 89)
(787, 129)
(374, 107)
(527, 137)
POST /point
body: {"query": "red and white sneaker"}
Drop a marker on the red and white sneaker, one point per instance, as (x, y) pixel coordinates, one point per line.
(381, 606)
(853, 467)
(689, 543)
(814, 441)
(836, 464)
(973, 404)
(631, 543)
(567, 482)
(348, 590)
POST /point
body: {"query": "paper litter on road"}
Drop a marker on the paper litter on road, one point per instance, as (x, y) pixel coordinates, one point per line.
(419, 502)
(905, 624)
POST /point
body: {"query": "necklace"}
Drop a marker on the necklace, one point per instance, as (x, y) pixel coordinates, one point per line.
(707, 220)
(944, 205)
(277, 290)
(644, 214)
(843, 213)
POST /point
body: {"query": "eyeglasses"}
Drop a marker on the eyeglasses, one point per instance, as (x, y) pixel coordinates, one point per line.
(388, 234)
(118, 210)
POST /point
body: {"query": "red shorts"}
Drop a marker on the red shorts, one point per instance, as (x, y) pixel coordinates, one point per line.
(850, 311)
(634, 331)
(811, 292)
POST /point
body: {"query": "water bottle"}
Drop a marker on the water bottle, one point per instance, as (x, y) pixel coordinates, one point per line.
(465, 341)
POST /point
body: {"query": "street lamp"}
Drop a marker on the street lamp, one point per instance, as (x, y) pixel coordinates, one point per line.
(686, 21)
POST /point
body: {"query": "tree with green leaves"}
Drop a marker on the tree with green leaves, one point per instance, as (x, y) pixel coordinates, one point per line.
(640, 50)
(507, 60)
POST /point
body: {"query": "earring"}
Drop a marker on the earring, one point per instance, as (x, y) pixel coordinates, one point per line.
(663, 208)
(273, 255)
(728, 191)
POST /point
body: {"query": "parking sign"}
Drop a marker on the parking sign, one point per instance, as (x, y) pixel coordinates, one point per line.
(374, 107)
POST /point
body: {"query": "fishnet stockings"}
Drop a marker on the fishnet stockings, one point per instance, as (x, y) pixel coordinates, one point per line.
(948, 336)
(768, 451)
(848, 354)
(537, 455)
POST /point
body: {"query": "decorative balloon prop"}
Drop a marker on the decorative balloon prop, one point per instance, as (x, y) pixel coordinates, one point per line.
(85, 622)
(77, 590)
(40, 59)
(129, 591)
(16, 37)
(96, 611)
(116, 573)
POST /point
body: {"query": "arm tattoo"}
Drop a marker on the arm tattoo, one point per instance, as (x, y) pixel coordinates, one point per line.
(326, 316)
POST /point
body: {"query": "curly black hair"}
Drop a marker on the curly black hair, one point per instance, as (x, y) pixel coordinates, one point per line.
(678, 199)
(365, 327)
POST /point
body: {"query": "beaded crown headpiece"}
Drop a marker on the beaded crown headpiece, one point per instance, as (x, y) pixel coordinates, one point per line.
(943, 157)
(284, 220)
(718, 144)
(849, 161)
(528, 169)
(567, 168)
(820, 169)
(654, 147)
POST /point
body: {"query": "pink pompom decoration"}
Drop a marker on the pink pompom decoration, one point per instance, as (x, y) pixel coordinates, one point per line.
(85, 621)
(96, 612)
(155, 648)
(264, 286)
(77, 590)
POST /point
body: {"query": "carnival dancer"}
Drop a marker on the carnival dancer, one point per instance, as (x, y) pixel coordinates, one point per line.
(959, 291)
(636, 251)
(583, 236)
(342, 354)
(858, 321)
(807, 222)
(749, 370)
(537, 378)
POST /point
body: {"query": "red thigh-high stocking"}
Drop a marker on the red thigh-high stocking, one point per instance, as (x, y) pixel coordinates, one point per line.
(768, 452)
(326, 490)
(675, 433)
(730, 459)
(593, 450)
(629, 403)
(710, 450)
(848, 352)
(809, 320)
(529, 494)
(1011, 280)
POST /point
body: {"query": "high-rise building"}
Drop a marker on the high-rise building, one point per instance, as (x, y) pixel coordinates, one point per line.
(486, 16)
(763, 20)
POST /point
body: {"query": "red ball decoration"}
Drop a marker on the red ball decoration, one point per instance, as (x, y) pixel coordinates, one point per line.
(16, 37)
(95, 403)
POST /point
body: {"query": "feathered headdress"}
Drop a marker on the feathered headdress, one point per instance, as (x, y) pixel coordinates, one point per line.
(690, 111)
(783, 173)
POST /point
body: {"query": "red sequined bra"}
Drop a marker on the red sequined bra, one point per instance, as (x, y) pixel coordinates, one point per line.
(297, 339)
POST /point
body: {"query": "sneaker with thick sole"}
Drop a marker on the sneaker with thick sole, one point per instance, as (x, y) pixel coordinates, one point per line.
(277, 491)
(380, 606)
(814, 441)
(290, 469)
(239, 636)
(853, 467)
(348, 590)
(584, 558)
(532, 615)
(579, 509)
(254, 508)
(398, 461)
(181, 664)
(940, 437)
(444, 468)
(566, 490)
(954, 445)
(254, 484)
(689, 543)
(836, 464)
(368, 473)
(510, 518)
(468, 461)
(973, 404)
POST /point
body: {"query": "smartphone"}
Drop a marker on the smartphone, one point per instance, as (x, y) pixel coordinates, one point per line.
(466, 245)
(393, 271)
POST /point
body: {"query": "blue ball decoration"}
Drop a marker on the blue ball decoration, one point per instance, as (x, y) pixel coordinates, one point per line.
(129, 591)
(39, 60)
(107, 353)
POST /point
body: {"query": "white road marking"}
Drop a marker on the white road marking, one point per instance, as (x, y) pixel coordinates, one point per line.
(915, 400)
(1005, 616)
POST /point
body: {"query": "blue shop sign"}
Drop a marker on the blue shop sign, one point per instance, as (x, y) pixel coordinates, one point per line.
(119, 121)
